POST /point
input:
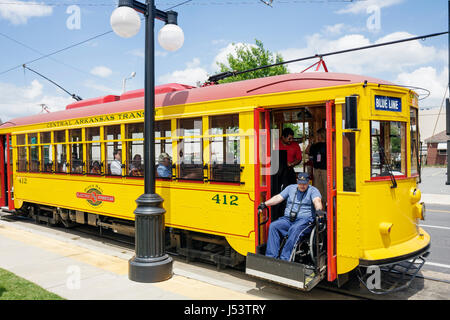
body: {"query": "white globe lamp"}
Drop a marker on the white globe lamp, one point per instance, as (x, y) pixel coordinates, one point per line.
(171, 37)
(125, 22)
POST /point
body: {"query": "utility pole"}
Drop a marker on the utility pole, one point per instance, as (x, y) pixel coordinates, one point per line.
(448, 103)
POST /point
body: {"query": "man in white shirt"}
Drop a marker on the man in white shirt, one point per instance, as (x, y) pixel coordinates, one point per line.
(116, 164)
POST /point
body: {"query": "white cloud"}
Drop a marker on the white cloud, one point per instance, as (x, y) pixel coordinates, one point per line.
(159, 53)
(18, 12)
(334, 29)
(222, 56)
(428, 78)
(102, 88)
(34, 90)
(191, 75)
(101, 71)
(361, 6)
(137, 53)
(387, 59)
(25, 101)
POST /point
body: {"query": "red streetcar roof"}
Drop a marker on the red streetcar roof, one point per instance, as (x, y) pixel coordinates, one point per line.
(166, 88)
(93, 101)
(179, 94)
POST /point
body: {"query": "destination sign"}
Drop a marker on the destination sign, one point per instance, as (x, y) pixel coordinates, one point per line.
(388, 103)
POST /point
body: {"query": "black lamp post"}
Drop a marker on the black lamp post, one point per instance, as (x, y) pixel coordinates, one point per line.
(150, 263)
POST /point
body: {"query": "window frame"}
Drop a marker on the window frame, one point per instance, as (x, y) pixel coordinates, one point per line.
(181, 144)
(403, 131)
(225, 136)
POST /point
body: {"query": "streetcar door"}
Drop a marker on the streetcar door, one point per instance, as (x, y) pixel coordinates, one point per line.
(6, 172)
(3, 175)
(331, 189)
(262, 173)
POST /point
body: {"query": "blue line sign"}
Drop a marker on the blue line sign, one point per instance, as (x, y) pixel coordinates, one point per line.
(388, 104)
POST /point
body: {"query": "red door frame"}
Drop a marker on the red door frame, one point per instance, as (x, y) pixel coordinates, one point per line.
(331, 190)
(10, 172)
(261, 133)
(2, 172)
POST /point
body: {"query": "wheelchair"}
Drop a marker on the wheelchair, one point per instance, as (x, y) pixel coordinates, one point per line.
(311, 247)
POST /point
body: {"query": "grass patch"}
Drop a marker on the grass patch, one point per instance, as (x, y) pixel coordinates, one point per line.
(13, 287)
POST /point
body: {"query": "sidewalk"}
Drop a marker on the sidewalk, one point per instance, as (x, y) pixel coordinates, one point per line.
(443, 199)
(78, 273)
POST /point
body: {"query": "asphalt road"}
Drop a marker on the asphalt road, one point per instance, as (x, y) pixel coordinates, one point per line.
(437, 220)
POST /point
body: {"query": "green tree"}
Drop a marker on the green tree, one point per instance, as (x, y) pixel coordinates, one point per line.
(249, 57)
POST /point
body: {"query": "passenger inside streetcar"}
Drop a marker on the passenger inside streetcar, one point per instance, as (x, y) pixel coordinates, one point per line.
(136, 169)
(164, 169)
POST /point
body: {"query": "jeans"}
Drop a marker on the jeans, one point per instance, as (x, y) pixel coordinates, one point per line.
(282, 227)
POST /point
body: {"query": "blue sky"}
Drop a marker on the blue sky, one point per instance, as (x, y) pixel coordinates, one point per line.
(293, 28)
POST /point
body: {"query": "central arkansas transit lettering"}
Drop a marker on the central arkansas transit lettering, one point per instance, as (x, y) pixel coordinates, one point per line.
(98, 119)
(94, 196)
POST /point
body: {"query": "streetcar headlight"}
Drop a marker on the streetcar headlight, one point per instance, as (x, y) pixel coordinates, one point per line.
(419, 210)
(415, 195)
(423, 211)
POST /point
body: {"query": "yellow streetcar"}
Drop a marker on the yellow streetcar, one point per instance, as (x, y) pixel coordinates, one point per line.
(217, 148)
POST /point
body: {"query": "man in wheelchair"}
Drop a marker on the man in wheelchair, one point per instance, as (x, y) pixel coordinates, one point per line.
(302, 202)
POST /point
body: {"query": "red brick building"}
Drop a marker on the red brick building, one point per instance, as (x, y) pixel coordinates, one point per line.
(437, 149)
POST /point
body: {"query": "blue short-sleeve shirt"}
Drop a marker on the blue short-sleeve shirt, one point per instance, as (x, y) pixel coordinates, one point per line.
(164, 172)
(300, 202)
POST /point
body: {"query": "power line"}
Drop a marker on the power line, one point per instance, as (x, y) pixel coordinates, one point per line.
(174, 4)
(39, 52)
(68, 47)
(77, 98)
(227, 74)
(57, 51)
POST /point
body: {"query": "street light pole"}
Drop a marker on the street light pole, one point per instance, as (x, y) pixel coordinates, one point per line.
(150, 263)
(124, 81)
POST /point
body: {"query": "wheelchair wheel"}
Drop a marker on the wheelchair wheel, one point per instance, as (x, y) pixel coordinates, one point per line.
(312, 245)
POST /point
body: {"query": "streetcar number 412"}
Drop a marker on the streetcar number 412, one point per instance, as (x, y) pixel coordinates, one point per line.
(227, 200)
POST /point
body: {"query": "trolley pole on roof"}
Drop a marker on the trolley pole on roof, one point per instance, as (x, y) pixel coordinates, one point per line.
(150, 263)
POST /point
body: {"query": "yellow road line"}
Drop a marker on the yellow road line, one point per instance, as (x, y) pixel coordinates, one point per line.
(190, 288)
(433, 210)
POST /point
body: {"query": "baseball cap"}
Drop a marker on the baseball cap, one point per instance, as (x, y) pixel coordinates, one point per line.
(162, 156)
(303, 178)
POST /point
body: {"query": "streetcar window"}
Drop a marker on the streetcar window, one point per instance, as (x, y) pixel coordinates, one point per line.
(93, 151)
(135, 160)
(163, 149)
(414, 141)
(22, 159)
(190, 147)
(34, 152)
(20, 140)
(348, 161)
(22, 153)
(388, 148)
(59, 138)
(76, 160)
(113, 149)
(225, 148)
(46, 152)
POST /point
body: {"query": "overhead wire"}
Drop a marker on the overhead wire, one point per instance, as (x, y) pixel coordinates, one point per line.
(440, 109)
(202, 3)
(39, 52)
(68, 47)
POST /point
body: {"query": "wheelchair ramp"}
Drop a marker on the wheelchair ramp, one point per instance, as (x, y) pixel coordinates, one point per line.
(291, 274)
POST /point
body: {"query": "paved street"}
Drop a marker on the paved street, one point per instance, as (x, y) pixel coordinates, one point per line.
(437, 220)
